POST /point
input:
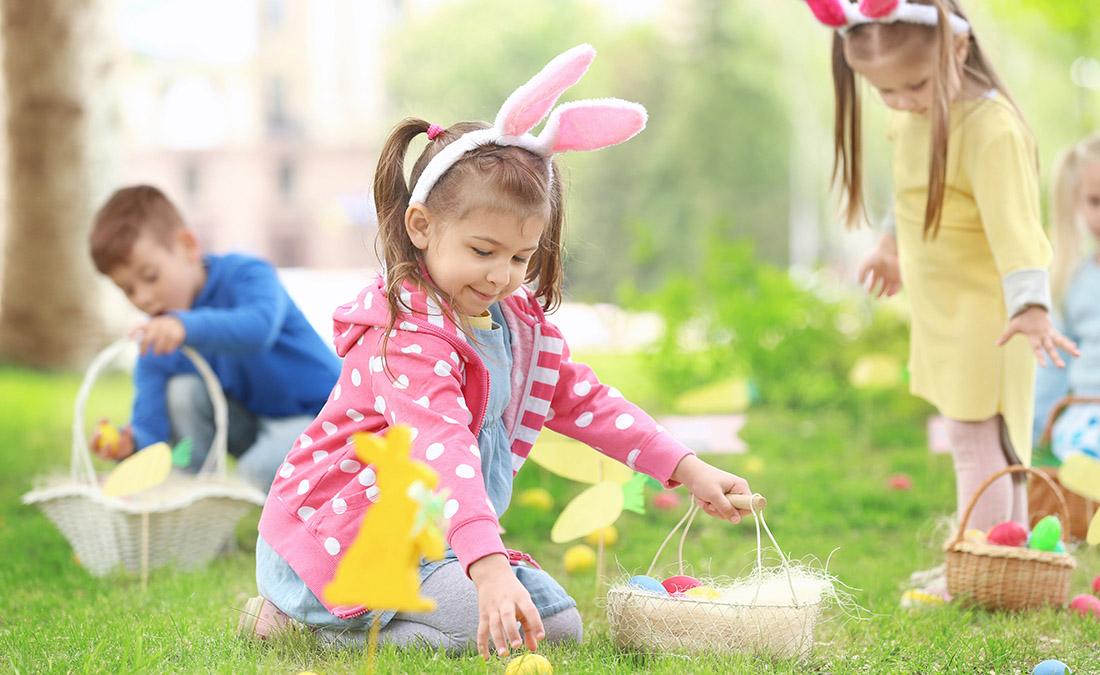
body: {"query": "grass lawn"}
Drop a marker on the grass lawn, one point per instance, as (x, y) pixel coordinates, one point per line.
(827, 490)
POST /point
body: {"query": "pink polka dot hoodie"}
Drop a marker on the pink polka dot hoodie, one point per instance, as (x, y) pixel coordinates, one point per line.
(431, 379)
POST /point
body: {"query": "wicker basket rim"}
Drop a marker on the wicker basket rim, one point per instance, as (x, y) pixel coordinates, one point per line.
(627, 591)
(1013, 552)
(201, 489)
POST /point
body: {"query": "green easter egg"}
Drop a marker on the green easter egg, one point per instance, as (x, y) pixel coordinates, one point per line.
(1045, 535)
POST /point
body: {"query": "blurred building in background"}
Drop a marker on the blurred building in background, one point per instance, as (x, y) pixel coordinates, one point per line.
(261, 118)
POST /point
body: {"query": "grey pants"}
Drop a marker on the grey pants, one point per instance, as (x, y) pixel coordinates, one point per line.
(453, 626)
(260, 444)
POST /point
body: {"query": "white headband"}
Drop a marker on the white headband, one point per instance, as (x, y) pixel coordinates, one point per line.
(581, 125)
(843, 15)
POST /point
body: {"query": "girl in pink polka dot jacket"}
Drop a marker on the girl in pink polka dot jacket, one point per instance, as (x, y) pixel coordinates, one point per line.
(455, 345)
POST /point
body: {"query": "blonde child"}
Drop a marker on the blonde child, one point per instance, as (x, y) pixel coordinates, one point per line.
(968, 244)
(455, 345)
(1075, 275)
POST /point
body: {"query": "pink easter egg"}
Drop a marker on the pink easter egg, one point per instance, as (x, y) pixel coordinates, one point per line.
(1096, 585)
(680, 583)
(666, 501)
(1085, 605)
(1008, 533)
(900, 482)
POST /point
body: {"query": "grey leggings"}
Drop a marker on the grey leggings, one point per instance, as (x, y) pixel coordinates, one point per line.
(453, 626)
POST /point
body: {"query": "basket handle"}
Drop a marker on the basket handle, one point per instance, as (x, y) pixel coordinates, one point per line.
(1016, 468)
(1057, 410)
(755, 502)
(81, 462)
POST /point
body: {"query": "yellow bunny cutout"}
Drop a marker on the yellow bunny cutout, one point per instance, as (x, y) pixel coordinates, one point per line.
(381, 568)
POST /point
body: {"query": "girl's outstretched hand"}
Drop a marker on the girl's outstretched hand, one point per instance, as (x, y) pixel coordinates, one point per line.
(880, 269)
(710, 486)
(1034, 323)
(502, 602)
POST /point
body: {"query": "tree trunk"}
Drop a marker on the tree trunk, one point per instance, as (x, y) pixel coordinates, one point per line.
(55, 54)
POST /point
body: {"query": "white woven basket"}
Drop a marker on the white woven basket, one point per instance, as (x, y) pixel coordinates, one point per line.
(185, 521)
(740, 622)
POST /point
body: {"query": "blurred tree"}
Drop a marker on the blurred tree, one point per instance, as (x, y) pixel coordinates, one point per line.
(48, 313)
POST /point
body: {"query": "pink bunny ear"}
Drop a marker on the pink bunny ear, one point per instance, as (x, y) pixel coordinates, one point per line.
(591, 125)
(529, 104)
(829, 12)
(876, 9)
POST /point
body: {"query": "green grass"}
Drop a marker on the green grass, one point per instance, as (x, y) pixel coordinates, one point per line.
(826, 489)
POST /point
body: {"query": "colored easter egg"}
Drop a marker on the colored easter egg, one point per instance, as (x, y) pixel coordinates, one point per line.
(1045, 534)
(1009, 533)
(666, 501)
(973, 535)
(1086, 605)
(579, 558)
(1059, 547)
(529, 664)
(610, 536)
(703, 593)
(1051, 667)
(535, 498)
(914, 598)
(642, 582)
(1096, 585)
(900, 482)
(680, 583)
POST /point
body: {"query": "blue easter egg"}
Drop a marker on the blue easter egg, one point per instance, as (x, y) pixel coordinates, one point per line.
(1051, 667)
(645, 583)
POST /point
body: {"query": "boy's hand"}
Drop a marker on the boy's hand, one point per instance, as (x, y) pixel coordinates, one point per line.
(502, 601)
(1034, 323)
(161, 335)
(710, 486)
(118, 449)
(880, 269)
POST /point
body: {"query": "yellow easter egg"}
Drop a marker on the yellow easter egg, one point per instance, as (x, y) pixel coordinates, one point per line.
(579, 558)
(536, 498)
(914, 598)
(610, 536)
(976, 536)
(753, 465)
(529, 664)
(140, 471)
(703, 593)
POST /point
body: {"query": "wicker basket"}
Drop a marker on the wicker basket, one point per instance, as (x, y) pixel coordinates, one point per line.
(1007, 577)
(648, 622)
(184, 521)
(1041, 502)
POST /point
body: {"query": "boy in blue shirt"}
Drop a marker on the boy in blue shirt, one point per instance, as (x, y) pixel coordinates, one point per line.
(275, 370)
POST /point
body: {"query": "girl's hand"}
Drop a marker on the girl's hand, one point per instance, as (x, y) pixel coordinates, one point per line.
(880, 269)
(1034, 322)
(710, 486)
(501, 602)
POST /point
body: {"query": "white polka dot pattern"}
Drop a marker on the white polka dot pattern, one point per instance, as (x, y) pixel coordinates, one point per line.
(332, 546)
(450, 508)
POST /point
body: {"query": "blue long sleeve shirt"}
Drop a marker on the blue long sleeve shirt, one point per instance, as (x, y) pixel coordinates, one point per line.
(1079, 320)
(257, 341)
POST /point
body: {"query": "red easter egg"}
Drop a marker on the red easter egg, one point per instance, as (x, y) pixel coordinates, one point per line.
(900, 482)
(666, 501)
(1085, 605)
(1009, 533)
(1096, 585)
(680, 583)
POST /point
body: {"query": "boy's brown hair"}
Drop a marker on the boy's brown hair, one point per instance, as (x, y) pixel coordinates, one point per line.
(128, 213)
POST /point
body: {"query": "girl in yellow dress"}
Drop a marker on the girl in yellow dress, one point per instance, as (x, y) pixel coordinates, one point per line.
(966, 238)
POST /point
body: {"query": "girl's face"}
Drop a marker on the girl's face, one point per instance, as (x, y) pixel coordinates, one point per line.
(1088, 201)
(902, 74)
(478, 258)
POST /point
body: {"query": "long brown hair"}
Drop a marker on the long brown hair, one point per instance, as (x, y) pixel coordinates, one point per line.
(847, 172)
(521, 182)
(1066, 228)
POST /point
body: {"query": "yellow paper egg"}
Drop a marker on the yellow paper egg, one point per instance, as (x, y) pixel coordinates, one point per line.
(529, 664)
(610, 536)
(536, 498)
(702, 593)
(579, 558)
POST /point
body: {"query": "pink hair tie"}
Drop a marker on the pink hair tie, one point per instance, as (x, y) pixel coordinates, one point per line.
(433, 131)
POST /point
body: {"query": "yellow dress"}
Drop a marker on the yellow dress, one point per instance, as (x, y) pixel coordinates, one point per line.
(991, 227)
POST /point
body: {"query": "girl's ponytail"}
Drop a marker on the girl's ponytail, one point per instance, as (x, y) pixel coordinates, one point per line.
(847, 141)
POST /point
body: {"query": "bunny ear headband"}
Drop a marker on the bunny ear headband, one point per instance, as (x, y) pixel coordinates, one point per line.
(581, 125)
(842, 14)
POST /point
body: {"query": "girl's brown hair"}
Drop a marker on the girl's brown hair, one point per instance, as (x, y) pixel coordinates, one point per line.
(1066, 228)
(518, 180)
(846, 132)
